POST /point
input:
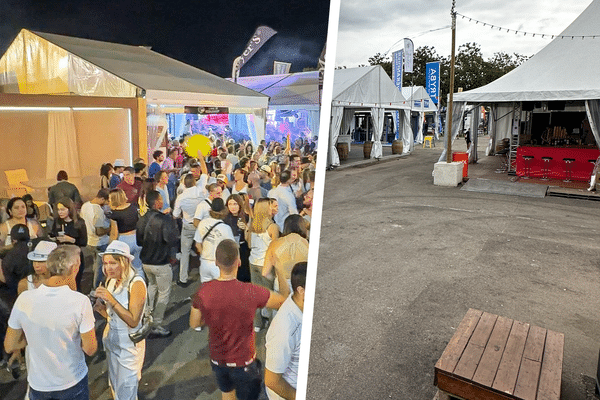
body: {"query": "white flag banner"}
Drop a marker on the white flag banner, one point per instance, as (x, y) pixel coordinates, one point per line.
(280, 67)
(409, 49)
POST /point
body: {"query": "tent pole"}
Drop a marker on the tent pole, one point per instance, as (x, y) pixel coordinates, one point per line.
(449, 119)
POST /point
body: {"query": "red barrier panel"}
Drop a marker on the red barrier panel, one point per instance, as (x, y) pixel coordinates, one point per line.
(464, 158)
(581, 168)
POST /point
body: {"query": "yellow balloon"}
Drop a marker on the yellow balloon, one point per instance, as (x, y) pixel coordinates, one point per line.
(195, 143)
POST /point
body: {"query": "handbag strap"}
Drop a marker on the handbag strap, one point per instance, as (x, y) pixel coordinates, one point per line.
(210, 230)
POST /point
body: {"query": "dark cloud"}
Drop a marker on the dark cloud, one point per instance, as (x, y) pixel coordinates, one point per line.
(207, 34)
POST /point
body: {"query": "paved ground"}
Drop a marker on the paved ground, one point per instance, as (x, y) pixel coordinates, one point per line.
(402, 260)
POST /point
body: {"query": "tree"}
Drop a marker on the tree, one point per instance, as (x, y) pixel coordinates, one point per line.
(471, 70)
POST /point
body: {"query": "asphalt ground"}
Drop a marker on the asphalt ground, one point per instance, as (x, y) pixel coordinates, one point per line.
(401, 261)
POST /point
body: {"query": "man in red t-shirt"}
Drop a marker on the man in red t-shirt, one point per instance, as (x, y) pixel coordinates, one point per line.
(130, 185)
(227, 306)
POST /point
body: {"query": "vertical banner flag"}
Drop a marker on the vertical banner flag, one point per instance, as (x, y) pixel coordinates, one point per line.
(280, 67)
(261, 35)
(397, 76)
(409, 49)
(432, 80)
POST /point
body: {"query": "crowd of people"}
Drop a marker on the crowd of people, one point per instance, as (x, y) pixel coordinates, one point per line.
(243, 213)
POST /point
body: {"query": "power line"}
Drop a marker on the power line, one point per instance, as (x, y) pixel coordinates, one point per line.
(542, 35)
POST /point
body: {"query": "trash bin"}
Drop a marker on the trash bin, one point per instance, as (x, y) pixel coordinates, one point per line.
(463, 157)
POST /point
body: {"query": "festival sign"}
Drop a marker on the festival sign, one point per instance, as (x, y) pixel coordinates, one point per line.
(432, 80)
(397, 68)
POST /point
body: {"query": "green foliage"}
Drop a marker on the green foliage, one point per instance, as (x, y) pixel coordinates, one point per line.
(471, 69)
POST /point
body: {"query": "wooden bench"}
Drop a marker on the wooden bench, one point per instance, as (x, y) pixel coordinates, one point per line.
(493, 357)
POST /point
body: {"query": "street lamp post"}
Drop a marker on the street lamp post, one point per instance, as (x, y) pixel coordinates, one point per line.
(449, 117)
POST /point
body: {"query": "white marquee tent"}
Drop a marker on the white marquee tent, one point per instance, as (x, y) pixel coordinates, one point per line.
(366, 88)
(565, 70)
(295, 91)
(420, 102)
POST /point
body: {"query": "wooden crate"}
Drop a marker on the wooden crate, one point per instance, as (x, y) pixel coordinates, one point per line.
(493, 357)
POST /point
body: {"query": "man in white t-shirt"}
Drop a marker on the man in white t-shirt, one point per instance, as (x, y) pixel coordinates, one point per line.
(283, 341)
(98, 228)
(210, 232)
(285, 199)
(57, 325)
(203, 208)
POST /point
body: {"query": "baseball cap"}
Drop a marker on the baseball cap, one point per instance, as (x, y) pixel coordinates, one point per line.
(41, 251)
(20, 233)
(266, 169)
(222, 177)
(119, 248)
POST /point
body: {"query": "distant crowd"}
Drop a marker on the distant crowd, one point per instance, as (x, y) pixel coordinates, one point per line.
(242, 213)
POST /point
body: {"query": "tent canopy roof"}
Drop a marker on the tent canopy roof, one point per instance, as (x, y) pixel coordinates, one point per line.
(418, 93)
(145, 68)
(566, 69)
(296, 90)
(366, 87)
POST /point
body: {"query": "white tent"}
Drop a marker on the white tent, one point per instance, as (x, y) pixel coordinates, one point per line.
(295, 91)
(565, 70)
(43, 63)
(420, 102)
(366, 88)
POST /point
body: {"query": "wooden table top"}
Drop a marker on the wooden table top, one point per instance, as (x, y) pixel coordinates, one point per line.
(493, 357)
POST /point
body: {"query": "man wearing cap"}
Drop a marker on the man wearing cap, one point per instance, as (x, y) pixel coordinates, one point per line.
(210, 232)
(97, 227)
(265, 177)
(118, 167)
(157, 234)
(59, 326)
(283, 341)
(223, 181)
(14, 264)
(285, 199)
(227, 307)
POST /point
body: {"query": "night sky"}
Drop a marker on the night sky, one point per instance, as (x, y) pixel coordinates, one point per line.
(207, 34)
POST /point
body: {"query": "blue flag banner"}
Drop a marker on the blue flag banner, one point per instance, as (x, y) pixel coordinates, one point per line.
(432, 80)
(397, 68)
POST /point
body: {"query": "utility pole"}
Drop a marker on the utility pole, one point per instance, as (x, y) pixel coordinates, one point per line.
(449, 117)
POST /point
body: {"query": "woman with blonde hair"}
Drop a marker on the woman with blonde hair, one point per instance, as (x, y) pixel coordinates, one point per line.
(124, 217)
(261, 231)
(122, 302)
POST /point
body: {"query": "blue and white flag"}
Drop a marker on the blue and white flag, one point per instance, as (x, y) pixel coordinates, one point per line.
(409, 49)
(432, 80)
(397, 68)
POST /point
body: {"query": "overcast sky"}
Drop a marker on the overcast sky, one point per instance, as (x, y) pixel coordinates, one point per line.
(207, 34)
(365, 30)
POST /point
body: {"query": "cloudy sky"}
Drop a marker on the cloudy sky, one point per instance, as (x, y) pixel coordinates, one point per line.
(207, 34)
(365, 30)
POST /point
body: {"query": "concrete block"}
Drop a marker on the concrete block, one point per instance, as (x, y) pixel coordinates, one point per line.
(447, 174)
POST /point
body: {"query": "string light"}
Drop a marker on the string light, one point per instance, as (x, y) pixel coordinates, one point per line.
(543, 35)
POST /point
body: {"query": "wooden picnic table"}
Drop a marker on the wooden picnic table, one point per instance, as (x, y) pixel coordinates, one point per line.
(493, 357)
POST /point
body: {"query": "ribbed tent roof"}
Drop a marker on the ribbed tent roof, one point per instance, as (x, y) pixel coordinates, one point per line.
(421, 101)
(297, 90)
(566, 69)
(366, 87)
(164, 79)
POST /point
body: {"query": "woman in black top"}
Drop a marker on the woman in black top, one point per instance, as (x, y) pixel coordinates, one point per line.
(124, 217)
(237, 219)
(69, 228)
(33, 212)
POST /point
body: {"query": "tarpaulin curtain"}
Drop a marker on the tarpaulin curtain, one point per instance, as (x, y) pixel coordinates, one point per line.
(347, 120)
(377, 116)
(408, 144)
(474, 129)
(419, 139)
(592, 108)
(62, 152)
(334, 133)
(458, 112)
